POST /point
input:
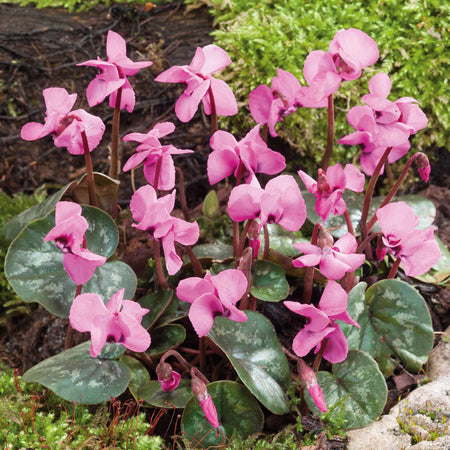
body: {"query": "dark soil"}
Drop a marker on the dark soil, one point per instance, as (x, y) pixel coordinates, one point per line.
(40, 49)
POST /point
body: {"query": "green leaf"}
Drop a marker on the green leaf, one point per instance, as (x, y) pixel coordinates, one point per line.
(77, 377)
(282, 240)
(106, 189)
(139, 374)
(238, 412)
(211, 205)
(357, 386)
(164, 338)
(112, 350)
(216, 251)
(174, 311)
(269, 281)
(256, 354)
(157, 303)
(35, 270)
(152, 393)
(14, 226)
(395, 322)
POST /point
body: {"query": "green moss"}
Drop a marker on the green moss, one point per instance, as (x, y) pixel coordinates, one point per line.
(412, 38)
(29, 418)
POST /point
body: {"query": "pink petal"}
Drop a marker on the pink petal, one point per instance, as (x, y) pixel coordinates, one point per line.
(337, 346)
(141, 199)
(166, 180)
(308, 181)
(354, 179)
(423, 259)
(127, 99)
(191, 288)
(134, 336)
(33, 130)
(318, 319)
(80, 267)
(84, 308)
(202, 313)
(306, 340)
(334, 299)
(215, 59)
(58, 101)
(134, 310)
(116, 47)
(224, 99)
(210, 411)
(104, 326)
(346, 244)
(332, 268)
(172, 383)
(173, 260)
(185, 233)
(221, 164)
(244, 202)
(396, 219)
(317, 62)
(380, 84)
(307, 260)
(231, 285)
(175, 74)
(259, 102)
(135, 160)
(187, 105)
(317, 396)
(287, 84)
(336, 177)
(114, 304)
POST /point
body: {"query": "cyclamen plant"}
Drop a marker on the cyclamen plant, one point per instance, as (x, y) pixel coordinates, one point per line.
(346, 324)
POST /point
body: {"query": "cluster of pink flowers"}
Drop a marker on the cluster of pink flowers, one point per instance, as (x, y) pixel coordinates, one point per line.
(382, 123)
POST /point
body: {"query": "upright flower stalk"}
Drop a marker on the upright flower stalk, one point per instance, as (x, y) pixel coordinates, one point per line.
(114, 168)
(330, 134)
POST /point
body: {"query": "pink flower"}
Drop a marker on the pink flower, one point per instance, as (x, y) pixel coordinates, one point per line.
(153, 215)
(271, 105)
(211, 296)
(119, 321)
(280, 202)
(199, 82)
(334, 260)
(65, 125)
(68, 234)
(113, 74)
(151, 152)
(417, 249)
(383, 124)
(252, 151)
(321, 325)
(169, 379)
(349, 51)
(330, 186)
(423, 166)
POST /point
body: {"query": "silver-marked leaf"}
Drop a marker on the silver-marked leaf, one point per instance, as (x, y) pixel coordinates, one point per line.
(282, 240)
(15, 225)
(217, 251)
(356, 385)
(157, 303)
(77, 377)
(152, 393)
(256, 354)
(395, 323)
(237, 410)
(269, 281)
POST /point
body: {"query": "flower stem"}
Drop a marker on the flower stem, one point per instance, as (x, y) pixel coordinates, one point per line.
(89, 170)
(243, 236)
(330, 134)
(114, 166)
(69, 335)
(265, 132)
(309, 276)
(182, 194)
(348, 221)
(212, 102)
(394, 269)
(184, 363)
(318, 359)
(157, 174)
(394, 189)
(369, 193)
(196, 265)
(158, 265)
(266, 242)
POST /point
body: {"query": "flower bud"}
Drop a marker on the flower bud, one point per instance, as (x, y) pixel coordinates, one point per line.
(168, 378)
(199, 390)
(308, 379)
(324, 238)
(423, 166)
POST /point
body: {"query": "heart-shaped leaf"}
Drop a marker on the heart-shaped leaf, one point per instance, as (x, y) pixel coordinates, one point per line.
(77, 377)
(357, 386)
(106, 189)
(139, 374)
(256, 354)
(164, 338)
(238, 412)
(14, 226)
(175, 310)
(282, 240)
(211, 206)
(157, 303)
(152, 393)
(269, 281)
(395, 322)
(217, 251)
(35, 270)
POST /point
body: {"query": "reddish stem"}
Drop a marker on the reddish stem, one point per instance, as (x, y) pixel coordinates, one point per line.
(182, 194)
(348, 221)
(394, 269)
(114, 165)
(266, 242)
(318, 359)
(309, 276)
(157, 174)
(243, 236)
(158, 265)
(330, 134)
(89, 170)
(196, 264)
